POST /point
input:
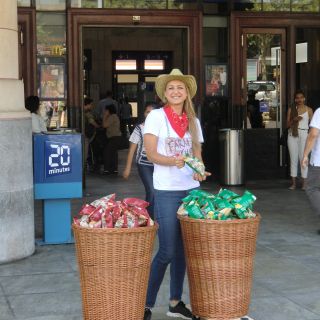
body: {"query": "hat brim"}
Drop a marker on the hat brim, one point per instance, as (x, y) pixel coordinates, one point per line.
(163, 79)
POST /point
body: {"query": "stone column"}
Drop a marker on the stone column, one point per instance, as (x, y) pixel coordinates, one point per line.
(16, 180)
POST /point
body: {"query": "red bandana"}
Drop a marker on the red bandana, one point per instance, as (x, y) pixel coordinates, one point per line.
(178, 123)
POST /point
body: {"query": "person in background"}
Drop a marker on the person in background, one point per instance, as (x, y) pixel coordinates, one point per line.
(125, 116)
(145, 167)
(313, 146)
(111, 123)
(298, 119)
(90, 126)
(170, 133)
(107, 100)
(32, 103)
(253, 107)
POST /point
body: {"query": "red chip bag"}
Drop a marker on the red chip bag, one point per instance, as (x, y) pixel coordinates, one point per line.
(122, 222)
(116, 213)
(95, 224)
(106, 220)
(76, 221)
(96, 214)
(135, 202)
(86, 209)
(132, 220)
(104, 200)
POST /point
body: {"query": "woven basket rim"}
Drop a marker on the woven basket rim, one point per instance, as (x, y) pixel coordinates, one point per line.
(211, 221)
(115, 230)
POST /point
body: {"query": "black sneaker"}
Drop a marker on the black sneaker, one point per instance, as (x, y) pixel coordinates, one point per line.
(147, 314)
(180, 311)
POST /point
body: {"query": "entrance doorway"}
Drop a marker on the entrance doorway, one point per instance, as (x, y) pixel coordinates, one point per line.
(79, 20)
(263, 83)
(127, 60)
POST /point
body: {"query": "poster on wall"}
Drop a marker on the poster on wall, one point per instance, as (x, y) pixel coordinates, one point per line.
(216, 80)
(52, 82)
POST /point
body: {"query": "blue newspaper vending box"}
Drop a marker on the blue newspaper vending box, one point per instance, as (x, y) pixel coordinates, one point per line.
(57, 167)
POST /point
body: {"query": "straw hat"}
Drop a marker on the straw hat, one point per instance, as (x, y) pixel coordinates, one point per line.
(175, 74)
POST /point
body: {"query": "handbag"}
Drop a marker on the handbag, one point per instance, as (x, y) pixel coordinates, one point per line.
(284, 138)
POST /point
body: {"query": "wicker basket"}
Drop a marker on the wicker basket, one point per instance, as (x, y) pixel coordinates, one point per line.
(114, 267)
(220, 259)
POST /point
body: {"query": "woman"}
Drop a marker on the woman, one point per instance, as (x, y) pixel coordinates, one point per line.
(170, 133)
(111, 123)
(32, 104)
(145, 167)
(298, 119)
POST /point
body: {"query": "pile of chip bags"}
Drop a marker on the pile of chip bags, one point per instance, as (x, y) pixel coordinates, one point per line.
(109, 213)
(226, 205)
(195, 164)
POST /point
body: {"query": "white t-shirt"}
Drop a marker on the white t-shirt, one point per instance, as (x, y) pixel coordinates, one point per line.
(315, 154)
(170, 144)
(38, 123)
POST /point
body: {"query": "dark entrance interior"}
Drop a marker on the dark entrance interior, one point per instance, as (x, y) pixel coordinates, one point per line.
(126, 61)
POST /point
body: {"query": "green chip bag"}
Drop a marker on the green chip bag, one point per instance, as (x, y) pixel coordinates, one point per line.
(195, 164)
(194, 211)
(227, 194)
(201, 194)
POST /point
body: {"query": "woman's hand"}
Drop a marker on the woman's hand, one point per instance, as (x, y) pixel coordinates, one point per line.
(297, 118)
(305, 162)
(126, 173)
(179, 161)
(199, 177)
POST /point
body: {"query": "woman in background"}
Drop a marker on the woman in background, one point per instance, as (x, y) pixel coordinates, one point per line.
(145, 167)
(298, 119)
(32, 103)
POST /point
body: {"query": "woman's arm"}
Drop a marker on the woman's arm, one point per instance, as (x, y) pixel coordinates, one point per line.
(132, 150)
(106, 121)
(310, 112)
(288, 118)
(150, 144)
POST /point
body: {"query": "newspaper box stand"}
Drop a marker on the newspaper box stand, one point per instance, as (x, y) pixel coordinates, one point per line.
(57, 178)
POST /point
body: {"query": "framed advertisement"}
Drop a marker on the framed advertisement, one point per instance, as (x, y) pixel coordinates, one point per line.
(52, 81)
(216, 80)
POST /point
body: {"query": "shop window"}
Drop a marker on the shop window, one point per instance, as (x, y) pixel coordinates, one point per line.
(305, 5)
(51, 64)
(182, 4)
(24, 3)
(50, 5)
(279, 5)
(86, 3)
(154, 64)
(119, 3)
(126, 64)
(247, 5)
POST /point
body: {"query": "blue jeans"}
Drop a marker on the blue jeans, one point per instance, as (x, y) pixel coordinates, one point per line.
(146, 175)
(166, 204)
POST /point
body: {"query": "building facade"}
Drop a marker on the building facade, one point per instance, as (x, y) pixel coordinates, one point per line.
(73, 48)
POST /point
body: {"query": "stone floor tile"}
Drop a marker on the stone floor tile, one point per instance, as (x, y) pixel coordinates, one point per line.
(43, 261)
(27, 306)
(5, 311)
(287, 283)
(40, 283)
(279, 308)
(308, 299)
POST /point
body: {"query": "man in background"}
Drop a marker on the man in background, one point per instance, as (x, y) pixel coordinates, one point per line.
(106, 100)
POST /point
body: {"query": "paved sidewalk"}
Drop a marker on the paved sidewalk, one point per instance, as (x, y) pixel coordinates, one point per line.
(286, 286)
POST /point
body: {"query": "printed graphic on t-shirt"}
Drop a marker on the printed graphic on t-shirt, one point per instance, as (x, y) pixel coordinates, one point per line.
(177, 146)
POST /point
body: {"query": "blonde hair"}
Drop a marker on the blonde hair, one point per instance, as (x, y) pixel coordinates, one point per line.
(192, 118)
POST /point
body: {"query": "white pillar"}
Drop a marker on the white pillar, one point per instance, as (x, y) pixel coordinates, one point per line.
(16, 181)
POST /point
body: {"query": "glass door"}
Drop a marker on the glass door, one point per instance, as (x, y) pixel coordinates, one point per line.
(264, 73)
(263, 87)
